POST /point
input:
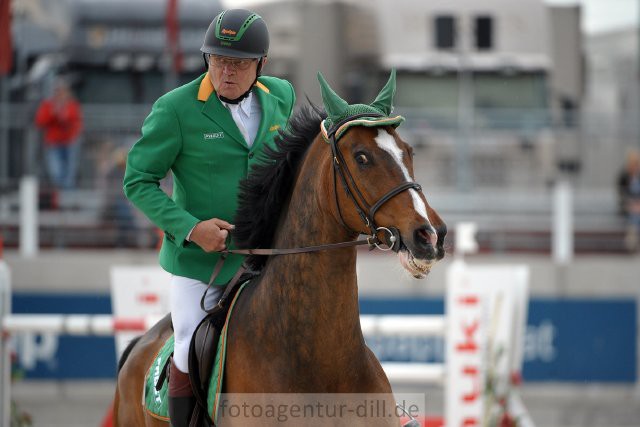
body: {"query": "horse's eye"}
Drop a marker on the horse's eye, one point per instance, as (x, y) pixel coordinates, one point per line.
(362, 159)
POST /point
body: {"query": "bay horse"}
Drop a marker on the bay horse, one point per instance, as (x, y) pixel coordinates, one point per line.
(296, 327)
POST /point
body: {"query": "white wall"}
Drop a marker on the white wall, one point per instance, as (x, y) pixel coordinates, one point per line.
(521, 32)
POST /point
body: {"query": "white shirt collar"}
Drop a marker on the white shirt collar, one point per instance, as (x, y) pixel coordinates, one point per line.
(244, 105)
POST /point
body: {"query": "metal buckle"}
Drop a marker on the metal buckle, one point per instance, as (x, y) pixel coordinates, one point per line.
(392, 239)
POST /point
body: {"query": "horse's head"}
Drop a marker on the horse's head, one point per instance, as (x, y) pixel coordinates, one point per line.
(375, 188)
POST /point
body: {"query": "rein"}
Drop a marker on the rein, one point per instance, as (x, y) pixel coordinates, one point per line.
(372, 241)
(365, 211)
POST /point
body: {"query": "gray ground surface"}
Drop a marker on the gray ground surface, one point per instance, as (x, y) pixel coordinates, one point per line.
(72, 404)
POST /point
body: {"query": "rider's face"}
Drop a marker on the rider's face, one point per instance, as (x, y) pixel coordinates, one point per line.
(231, 77)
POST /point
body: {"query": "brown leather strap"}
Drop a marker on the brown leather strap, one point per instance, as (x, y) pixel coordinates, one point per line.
(234, 281)
(163, 372)
(391, 194)
(372, 240)
(214, 274)
(369, 241)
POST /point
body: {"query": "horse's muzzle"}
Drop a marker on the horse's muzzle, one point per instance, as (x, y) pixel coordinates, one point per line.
(428, 243)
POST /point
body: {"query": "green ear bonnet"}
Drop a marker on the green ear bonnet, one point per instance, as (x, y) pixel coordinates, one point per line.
(338, 110)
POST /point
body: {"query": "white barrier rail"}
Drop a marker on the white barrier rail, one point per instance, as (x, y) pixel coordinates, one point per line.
(404, 373)
(85, 324)
(415, 373)
(404, 325)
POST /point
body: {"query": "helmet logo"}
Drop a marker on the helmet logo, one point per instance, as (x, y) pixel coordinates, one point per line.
(233, 35)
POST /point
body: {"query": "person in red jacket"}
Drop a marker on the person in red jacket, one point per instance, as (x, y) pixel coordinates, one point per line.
(60, 118)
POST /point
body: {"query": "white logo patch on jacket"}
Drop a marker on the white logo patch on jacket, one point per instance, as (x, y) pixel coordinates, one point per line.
(213, 135)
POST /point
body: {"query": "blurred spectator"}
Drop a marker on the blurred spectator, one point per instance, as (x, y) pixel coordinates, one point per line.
(629, 197)
(60, 118)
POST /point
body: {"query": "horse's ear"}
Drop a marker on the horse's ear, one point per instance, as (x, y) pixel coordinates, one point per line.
(333, 104)
(384, 100)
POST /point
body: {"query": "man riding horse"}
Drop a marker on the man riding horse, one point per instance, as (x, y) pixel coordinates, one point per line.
(330, 177)
(208, 133)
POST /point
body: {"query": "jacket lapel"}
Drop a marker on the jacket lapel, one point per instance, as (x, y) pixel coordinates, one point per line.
(213, 109)
(268, 105)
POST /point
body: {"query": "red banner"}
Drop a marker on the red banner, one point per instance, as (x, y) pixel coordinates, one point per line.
(173, 34)
(6, 46)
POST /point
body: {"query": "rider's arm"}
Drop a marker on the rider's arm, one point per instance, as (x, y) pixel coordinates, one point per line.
(148, 162)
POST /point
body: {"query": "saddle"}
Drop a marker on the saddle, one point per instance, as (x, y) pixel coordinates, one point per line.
(202, 352)
(203, 347)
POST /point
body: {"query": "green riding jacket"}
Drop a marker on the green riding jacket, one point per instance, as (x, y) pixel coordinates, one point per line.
(190, 133)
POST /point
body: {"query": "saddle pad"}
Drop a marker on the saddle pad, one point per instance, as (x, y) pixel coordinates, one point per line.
(156, 402)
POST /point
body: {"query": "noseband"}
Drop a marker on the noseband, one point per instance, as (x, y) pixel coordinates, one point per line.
(365, 210)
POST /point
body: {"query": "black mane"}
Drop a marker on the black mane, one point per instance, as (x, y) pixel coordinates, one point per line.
(265, 192)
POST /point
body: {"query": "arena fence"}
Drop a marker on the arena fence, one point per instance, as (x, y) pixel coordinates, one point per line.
(483, 329)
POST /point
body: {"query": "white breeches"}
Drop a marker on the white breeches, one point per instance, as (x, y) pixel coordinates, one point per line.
(186, 313)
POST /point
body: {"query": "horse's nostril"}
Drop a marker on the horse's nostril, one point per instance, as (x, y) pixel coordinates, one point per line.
(425, 237)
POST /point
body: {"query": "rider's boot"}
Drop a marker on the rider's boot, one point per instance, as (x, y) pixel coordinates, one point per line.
(181, 398)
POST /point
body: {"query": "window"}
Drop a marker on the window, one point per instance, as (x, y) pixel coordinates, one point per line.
(445, 32)
(484, 32)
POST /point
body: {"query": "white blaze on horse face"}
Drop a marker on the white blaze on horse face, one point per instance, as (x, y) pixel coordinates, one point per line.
(388, 144)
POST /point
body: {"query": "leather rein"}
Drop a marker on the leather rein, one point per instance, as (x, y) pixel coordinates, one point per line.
(365, 211)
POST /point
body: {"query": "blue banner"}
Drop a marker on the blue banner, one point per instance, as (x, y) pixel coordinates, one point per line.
(581, 340)
(575, 340)
(53, 356)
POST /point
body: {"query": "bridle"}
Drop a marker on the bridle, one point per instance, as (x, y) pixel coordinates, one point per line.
(366, 212)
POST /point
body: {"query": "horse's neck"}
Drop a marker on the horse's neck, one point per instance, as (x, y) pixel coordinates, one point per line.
(314, 293)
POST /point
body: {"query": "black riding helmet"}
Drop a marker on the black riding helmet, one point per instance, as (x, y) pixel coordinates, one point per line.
(237, 33)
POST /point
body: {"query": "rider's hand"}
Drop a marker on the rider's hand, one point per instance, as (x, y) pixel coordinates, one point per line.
(211, 234)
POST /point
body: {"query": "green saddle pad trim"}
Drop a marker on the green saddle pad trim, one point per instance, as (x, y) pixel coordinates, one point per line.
(215, 384)
(156, 402)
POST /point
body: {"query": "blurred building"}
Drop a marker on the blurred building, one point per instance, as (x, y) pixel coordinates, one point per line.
(511, 62)
(482, 82)
(611, 106)
(473, 77)
(116, 51)
(493, 92)
(518, 52)
(341, 39)
(613, 65)
(501, 47)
